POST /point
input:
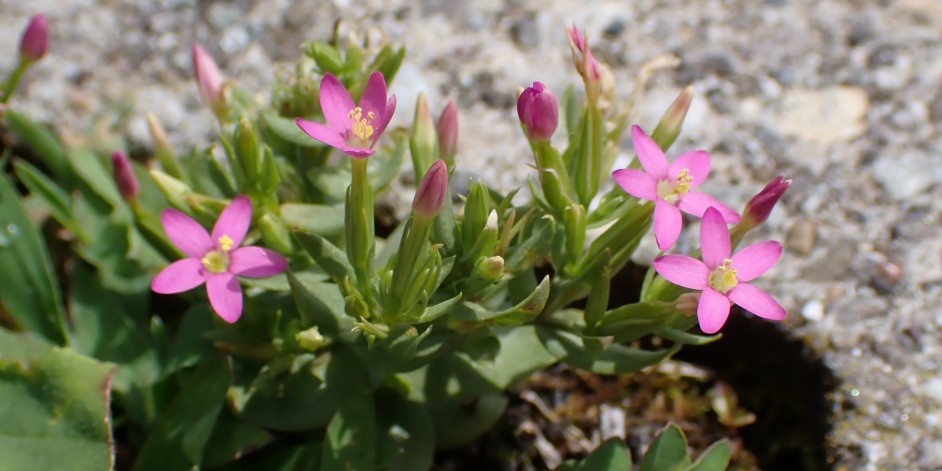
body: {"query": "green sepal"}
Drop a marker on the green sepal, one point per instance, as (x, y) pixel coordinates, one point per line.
(523, 312)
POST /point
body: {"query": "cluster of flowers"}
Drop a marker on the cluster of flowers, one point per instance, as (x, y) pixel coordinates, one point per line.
(723, 278)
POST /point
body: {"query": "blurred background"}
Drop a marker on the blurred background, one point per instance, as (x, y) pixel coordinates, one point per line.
(842, 96)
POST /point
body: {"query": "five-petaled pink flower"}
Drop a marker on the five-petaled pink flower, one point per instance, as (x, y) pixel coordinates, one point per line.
(670, 186)
(351, 128)
(721, 277)
(216, 260)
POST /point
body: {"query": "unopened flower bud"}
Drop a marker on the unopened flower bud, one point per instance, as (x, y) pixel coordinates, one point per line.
(448, 133)
(35, 40)
(430, 195)
(310, 339)
(491, 268)
(423, 141)
(124, 175)
(760, 206)
(538, 111)
(209, 79)
(668, 128)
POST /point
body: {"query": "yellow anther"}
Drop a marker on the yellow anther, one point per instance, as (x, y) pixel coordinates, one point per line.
(216, 261)
(723, 278)
(362, 130)
(683, 183)
(225, 243)
(670, 191)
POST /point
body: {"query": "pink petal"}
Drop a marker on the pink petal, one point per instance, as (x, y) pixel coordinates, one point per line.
(683, 271)
(695, 203)
(256, 262)
(321, 133)
(336, 103)
(667, 224)
(712, 311)
(225, 296)
(756, 259)
(357, 152)
(381, 124)
(234, 220)
(757, 302)
(373, 99)
(186, 234)
(697, 164)
(636, 183)
(714, 239)
(649, 154)
(179, 276)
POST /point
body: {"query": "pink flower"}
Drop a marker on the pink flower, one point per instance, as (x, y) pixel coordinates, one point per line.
(216, 260)
(670, 186)
(538, 110)
(35, 40)
(352, 129)
(209, 79)
(724, 279)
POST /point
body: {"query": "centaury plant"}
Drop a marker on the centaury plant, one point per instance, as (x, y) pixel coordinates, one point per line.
(318, 344)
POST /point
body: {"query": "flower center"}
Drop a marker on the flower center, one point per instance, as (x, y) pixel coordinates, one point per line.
(671, 191)
(723, 277)
(217, 261)
(362, 129)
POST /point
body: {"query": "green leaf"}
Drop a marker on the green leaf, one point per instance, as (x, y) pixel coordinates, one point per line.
(523, 312)
(458, 423)
(307, 395)
(313, 218)
(233, 438)
(687, 338)
(385, 166)
(350, 443)
(91, 169)
(286, 129)
(520, 354)
(333, 260)
(322, 304)
(178, 439)
(668, 452)
(714, 458)
(609, 456)
(56, 198)
(30, 293)
(43, 142)
(404, 433)
(55, 408)
(593, 355)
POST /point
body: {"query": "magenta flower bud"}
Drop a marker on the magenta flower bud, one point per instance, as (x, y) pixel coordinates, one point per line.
(758, 208)
(124, 175)
(448, 132)
(208, 78)
(538, 111)
(430, 196)
(35, 40)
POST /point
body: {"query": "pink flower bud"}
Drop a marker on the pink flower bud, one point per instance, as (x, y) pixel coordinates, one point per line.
(448, 132)
(538, 111)
(35, 40)
(430, 196)
(209, 79)
(576, 39)
(124, 175)
(758, 208)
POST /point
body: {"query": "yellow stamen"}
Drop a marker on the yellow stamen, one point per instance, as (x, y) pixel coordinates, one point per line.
(362, 130)
(216, 261)
(723, 278)
(670, 191)
(225, 243)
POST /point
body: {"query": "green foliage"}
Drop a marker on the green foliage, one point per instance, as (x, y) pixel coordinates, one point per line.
(370, 352)
(55, 407)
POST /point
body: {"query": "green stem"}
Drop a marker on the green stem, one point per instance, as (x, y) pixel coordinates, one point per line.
(409, 256)
(360, 228)
(9, 86)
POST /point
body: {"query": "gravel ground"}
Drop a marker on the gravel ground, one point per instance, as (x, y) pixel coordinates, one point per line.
(843, 96)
